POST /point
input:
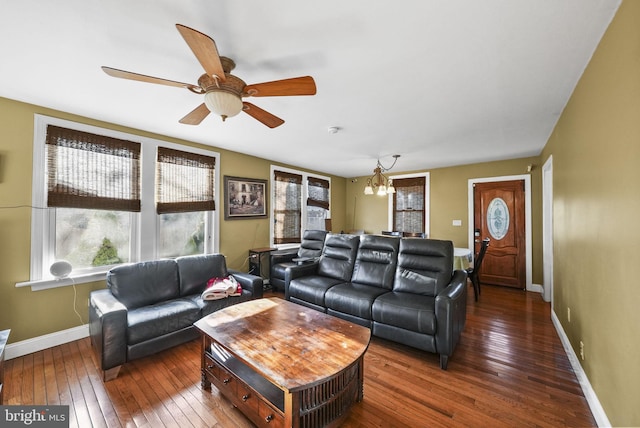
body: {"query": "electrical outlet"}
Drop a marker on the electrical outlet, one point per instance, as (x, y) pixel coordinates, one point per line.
(581, 350)
(568, 314)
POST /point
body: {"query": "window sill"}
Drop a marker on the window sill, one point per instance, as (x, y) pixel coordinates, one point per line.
(45, 284)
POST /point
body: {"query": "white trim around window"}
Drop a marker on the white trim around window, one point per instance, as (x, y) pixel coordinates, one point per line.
(144, 225)
(305, 194)
(427, 203)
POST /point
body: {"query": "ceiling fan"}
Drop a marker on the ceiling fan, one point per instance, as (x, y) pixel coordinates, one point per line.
(223, 92)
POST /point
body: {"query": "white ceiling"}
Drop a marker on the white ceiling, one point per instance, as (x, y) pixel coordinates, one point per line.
(439, 82)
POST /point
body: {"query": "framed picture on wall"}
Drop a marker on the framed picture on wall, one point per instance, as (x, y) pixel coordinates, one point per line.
(244, 198)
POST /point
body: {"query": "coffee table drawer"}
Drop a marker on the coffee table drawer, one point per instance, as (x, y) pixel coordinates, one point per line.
(210, 366)
(247, 397)
(225, 381)
(269, 417)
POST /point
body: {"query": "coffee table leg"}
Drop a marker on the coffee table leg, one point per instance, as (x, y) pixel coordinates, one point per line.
(204, 383)
(204, 342)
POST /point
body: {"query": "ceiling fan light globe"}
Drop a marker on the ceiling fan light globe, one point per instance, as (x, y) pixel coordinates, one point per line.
(223, 103)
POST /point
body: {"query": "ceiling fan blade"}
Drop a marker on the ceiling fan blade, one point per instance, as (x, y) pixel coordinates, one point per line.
(196, 116)
(295, 86)
(114, 72)
(262, 115)
(204, 48)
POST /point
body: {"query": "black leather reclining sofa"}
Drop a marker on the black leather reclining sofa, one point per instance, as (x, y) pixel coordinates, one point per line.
(151, 306)
(404, 289)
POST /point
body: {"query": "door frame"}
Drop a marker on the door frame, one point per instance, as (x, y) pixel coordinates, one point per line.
(547, 231)
(527, 220)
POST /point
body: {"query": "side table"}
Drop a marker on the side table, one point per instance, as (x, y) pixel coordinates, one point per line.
(256, 263)
(4, 336)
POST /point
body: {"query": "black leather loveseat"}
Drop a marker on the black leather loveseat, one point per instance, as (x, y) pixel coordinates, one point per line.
(404, 289)
(151, 306)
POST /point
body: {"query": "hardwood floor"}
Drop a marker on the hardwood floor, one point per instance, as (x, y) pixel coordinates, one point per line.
(509, 370)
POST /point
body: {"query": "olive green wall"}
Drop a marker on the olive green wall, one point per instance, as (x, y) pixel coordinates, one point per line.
(596, 151)
(449, 201)
(31, 314)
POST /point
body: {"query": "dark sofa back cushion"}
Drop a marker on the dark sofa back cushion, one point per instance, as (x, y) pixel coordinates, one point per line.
(195, 271)
(376, 261)
(145, 283)
(424, 267)
(312, 243)
(338, 256)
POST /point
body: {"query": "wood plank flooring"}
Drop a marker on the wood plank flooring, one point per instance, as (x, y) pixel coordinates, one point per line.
(509, 370)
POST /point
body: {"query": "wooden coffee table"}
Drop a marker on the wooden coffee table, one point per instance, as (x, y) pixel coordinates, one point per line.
(283, 364)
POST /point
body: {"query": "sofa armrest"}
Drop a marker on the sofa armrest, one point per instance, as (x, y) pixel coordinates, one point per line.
(250, 282)
(108, 328)
(451, 315)
(298, 271)
(282, 256)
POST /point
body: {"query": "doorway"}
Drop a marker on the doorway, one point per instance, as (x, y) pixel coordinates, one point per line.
(524, 277)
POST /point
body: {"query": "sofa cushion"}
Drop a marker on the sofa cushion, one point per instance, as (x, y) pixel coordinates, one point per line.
(353, 299)
(376, 261)
(424, 266)
(338, 256)
(405, 310)
(145, 283)
(151, 321)
(311, 288)
(195, 271)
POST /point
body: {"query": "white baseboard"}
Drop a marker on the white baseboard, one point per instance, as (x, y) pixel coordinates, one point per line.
(39, 343)
(536, 288)
(592, 399)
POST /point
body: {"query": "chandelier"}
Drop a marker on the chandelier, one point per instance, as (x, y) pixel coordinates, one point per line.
(379, 181)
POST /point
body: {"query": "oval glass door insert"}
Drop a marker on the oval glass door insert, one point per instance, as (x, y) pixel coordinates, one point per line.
(498, 218)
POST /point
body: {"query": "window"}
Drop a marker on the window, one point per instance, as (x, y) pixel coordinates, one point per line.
(185, 185)
(291, 215)
(287, 209)
(103, 197)
(93, 182)
(317, 202)
(408, 205)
